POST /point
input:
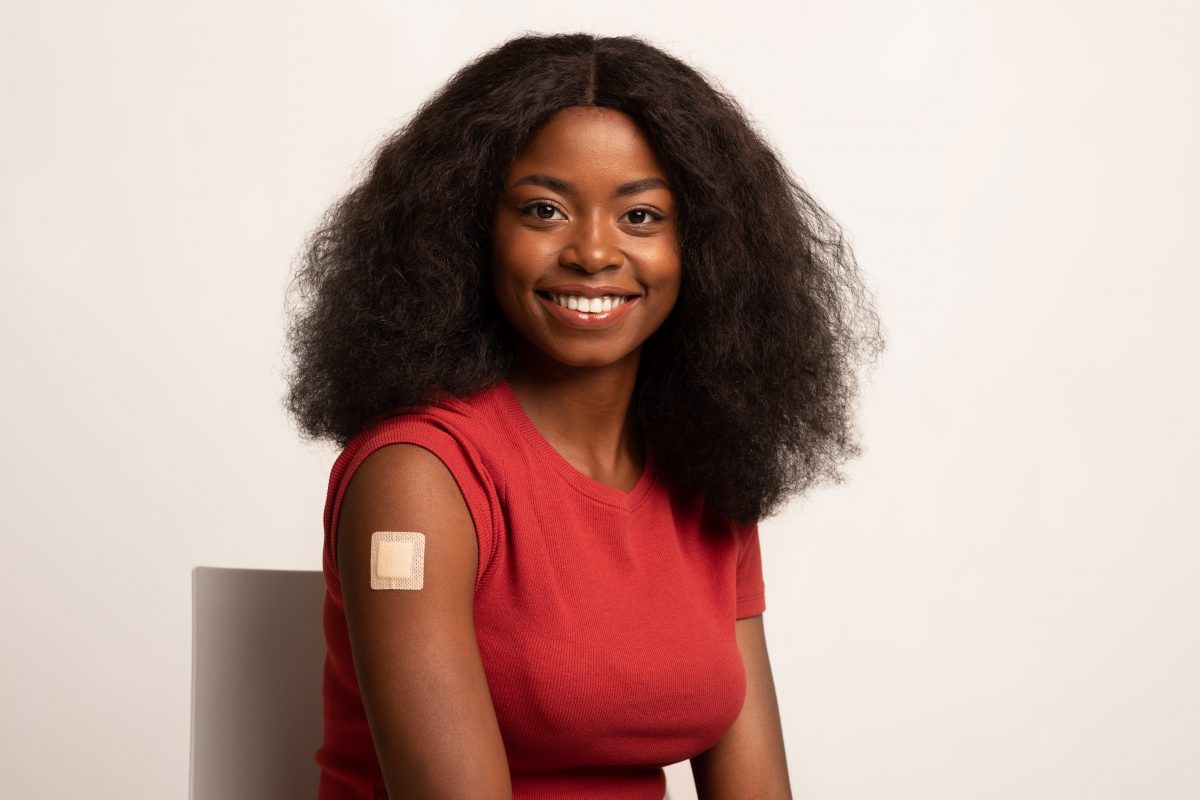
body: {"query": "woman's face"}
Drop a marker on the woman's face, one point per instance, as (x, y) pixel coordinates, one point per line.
(585, 251)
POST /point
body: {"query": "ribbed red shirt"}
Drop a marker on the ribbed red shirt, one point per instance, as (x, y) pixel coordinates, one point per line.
(605, 619)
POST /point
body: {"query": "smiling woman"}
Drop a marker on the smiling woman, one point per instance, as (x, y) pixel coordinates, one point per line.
(563, 409)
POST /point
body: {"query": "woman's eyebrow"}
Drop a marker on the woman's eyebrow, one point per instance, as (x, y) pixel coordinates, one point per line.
(563, 187)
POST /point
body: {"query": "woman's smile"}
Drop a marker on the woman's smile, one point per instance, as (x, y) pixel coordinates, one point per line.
(584, 313)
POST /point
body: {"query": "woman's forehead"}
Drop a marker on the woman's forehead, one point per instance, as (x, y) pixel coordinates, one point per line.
(589, 144)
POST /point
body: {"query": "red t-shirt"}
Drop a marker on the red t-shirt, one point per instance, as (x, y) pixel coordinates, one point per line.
(605, 619)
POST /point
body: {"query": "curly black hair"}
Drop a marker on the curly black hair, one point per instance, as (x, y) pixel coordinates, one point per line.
(745, 394)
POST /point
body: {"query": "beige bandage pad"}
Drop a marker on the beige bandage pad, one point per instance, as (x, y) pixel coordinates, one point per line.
(397, 560)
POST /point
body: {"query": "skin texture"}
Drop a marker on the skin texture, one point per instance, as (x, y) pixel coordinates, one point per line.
(429, 706)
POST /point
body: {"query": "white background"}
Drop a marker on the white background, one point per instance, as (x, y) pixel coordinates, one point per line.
(999, 603)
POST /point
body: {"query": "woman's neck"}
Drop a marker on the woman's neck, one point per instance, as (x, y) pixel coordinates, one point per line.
(585, 414)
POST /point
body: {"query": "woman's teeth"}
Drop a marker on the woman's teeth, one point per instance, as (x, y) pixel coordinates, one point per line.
(593, 305)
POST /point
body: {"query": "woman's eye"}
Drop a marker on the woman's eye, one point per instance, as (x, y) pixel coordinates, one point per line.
(640, 216)
(540, 210)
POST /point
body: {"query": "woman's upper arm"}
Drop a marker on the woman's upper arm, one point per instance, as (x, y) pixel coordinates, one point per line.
(418, 665)
(749, 760)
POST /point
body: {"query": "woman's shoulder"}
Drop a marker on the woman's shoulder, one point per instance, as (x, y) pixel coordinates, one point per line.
(467, 419)
(458, 431)
(465, 432)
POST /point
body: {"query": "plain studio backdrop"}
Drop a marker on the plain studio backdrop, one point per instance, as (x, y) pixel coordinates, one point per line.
(1000, 602)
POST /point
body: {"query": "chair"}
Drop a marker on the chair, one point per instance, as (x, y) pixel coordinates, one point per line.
(257, 656)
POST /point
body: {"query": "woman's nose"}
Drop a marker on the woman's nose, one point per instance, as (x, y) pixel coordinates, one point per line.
(593, 246)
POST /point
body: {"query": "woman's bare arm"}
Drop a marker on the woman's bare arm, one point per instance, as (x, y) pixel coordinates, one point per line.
(418, 664)
(748, 763)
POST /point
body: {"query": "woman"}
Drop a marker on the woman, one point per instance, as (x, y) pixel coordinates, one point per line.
(576, 332)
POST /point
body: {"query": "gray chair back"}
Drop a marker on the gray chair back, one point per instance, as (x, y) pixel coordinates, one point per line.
(257, 656)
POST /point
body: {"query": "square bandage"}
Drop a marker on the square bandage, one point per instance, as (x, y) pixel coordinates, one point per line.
(397, 560)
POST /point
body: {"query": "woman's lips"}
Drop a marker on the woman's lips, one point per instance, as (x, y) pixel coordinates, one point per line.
(587, 320)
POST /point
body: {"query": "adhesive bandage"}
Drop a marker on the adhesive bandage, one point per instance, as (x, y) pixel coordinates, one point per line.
(397, 560)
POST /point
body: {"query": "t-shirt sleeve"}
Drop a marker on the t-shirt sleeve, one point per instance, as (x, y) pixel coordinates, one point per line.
(451, 449)
(751, 594)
